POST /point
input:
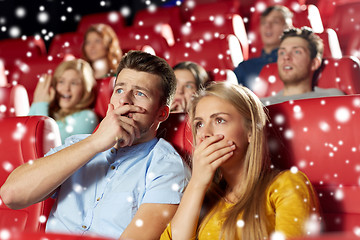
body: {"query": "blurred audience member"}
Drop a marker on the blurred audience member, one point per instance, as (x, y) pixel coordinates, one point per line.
(300, 56)
(101, 48)
(274, 20)
(190, 77)
(68, 97)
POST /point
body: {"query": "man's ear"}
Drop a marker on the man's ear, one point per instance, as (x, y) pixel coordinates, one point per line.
(315, 64)
(163, 113)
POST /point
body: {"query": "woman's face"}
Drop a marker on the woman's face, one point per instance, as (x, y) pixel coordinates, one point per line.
(216, 116)
(69, 88)
(185, 89)
(94, 47)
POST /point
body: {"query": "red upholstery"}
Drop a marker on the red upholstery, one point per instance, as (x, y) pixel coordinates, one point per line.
(161, 15)
(48, 236)
(177, 131)
(104, 89)
(331, 236)
(353, 46)
(320, 137)
(211, 55)
(12, 50)
(28, 73)
(114, 19)
(343, 73)
(222, 25)
(345, 21)
(14, 101)
(203, 11)
(135, 38)
(331, 44)
(24, 139)
(66, 43)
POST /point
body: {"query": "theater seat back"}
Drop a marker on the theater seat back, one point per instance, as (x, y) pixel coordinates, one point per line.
(24, 139)
(14, 101)
(104, 89)
(176, 130)
(320, 137)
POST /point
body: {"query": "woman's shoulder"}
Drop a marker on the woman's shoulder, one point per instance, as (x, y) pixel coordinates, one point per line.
(85, 113)
(290, 178)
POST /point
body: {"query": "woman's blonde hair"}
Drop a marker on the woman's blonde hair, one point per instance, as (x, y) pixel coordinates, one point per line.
(88, 81)
(256, 171)
(110, 40)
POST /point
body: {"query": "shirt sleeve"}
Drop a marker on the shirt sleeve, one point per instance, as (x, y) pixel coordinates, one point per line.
(294, 203)
(166, 178)
(39, 109)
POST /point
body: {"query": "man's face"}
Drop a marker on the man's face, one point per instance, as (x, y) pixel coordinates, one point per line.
(294, 62)
(271, 29)
(144, 90)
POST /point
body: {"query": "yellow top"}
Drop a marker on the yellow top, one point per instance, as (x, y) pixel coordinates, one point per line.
(290, 201)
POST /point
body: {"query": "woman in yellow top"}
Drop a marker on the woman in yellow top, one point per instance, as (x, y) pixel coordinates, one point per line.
(234, 192)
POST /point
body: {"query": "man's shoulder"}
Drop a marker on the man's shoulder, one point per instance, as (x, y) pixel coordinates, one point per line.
(68, 142)
(328, 91)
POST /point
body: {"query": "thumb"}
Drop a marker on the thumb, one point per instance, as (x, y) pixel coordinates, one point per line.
(52, 93)
(110, 108)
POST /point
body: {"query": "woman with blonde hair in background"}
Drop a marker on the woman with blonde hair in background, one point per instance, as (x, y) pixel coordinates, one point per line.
(101, 48)
(68, 97)
(234, 191)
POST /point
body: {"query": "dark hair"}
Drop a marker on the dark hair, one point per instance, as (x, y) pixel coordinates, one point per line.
(287, 14)
(145, 62)
(315, 43)
(199, 73)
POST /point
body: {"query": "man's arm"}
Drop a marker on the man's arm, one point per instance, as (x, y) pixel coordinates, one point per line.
(33, 182)
(149, 222)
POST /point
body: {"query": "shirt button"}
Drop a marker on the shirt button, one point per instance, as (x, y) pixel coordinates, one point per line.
(83, 226)
(112, 167)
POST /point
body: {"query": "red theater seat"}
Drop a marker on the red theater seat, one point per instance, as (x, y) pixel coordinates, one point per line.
(345, 21)
(204, 11)
(28, 73)
(12, 50)
(320, 137)
(14, 101)
(213, 55)
(66, 43)
(24, 139)
(220, 26)
(177, 131)
(114, 19)
(343, 73)
(161, 15)
(132, 38)
(104, 89)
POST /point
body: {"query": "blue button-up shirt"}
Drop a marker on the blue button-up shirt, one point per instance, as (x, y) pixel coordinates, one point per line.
(103, 196)
(247, 71)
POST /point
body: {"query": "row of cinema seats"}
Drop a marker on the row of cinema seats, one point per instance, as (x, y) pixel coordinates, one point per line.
(174, 33)
(330, 160)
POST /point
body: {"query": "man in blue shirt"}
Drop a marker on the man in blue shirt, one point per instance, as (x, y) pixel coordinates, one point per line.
(120, 181)
(274, 20)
